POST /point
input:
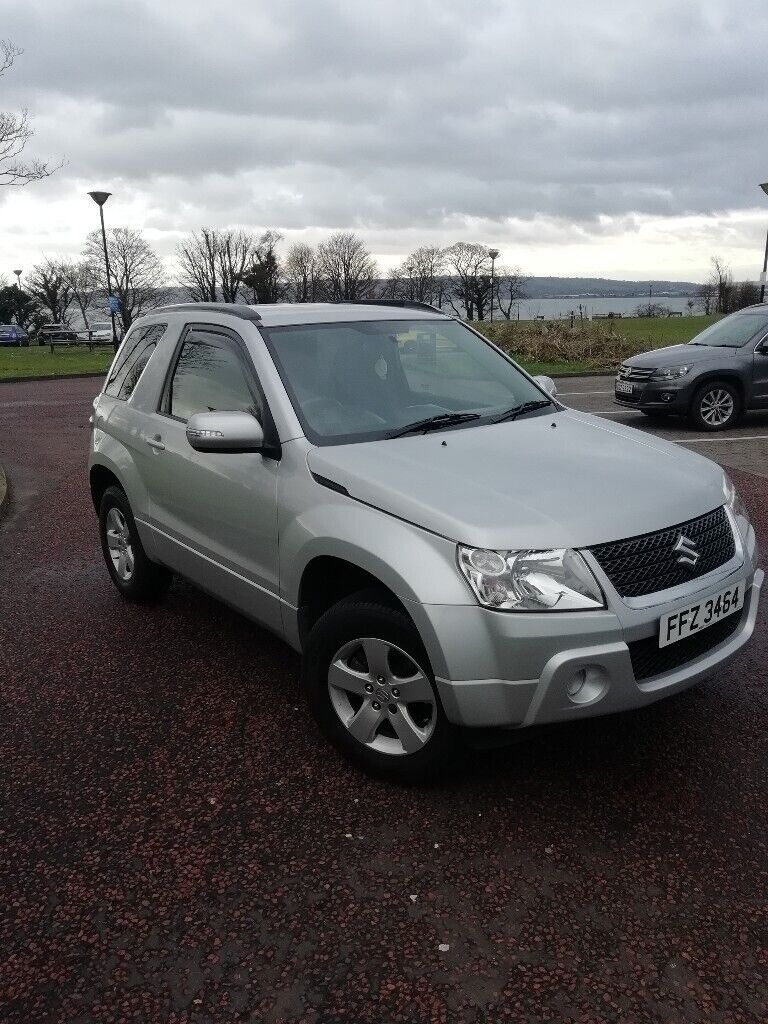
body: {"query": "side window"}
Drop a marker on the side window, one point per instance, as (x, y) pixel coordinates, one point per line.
(209, 377)
(131, 360)
(136, 370)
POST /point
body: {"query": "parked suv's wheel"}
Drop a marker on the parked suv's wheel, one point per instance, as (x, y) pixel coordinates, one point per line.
(134, 575)
(371, 689)
(716, 406)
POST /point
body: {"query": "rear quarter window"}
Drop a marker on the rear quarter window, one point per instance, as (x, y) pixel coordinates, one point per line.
(131, 360)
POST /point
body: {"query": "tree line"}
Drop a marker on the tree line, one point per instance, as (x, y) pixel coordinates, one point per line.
(236, 265)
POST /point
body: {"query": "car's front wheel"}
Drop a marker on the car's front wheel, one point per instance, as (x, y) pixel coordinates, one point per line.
(372, 692)
(135, 576)
(716, 406)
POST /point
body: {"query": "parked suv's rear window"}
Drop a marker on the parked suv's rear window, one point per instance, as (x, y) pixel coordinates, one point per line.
(131, 360)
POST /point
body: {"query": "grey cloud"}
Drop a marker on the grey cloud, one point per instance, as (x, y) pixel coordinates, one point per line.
(391, 116)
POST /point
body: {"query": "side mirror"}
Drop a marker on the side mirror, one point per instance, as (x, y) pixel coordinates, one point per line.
(225, 432)
(547, 384)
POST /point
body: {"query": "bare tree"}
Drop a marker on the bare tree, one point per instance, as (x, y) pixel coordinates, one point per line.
(197, 258)
(470, 267)
(138, 274)
(422, 275)
(347, 268)
(705, 298)
(83, 278)
(15, 133)
(721, 280)
(234, 252)
(265, 276)
(49, 285)
(301, 272)
(509, 289)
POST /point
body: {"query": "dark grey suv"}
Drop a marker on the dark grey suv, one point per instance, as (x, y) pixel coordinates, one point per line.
(712, 379)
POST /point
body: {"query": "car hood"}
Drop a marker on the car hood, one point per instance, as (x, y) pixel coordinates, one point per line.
(561, 480)
(677, 355)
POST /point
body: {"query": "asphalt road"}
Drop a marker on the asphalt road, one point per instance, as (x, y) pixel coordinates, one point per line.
(178, 845)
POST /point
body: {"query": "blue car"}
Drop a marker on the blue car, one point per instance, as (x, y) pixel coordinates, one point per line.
(13, 335)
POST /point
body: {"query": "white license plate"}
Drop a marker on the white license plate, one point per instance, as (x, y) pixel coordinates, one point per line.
(623, 388)
(678, 625)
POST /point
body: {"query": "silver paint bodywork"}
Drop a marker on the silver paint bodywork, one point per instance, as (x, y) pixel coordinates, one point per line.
(245, 527)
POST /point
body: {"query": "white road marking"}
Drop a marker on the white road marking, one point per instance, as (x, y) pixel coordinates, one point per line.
(712, 440)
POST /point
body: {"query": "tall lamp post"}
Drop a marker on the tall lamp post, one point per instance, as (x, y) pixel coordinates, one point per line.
(18, 295)
(494, 254)
(764, 187)
(100, 198)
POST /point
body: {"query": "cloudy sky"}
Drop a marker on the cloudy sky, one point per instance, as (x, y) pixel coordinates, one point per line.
(617, 139)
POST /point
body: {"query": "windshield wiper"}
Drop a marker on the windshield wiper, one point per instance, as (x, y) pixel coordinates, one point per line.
(443, 419)
(519, 410)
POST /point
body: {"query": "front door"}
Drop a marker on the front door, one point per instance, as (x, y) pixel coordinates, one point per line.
(213, 515)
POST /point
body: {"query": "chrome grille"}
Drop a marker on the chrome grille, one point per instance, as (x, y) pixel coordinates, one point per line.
(635, 372)
(649, 563)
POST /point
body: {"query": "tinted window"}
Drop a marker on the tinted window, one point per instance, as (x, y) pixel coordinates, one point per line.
(366, 380)
(135, 371)
(733, 331)
(124, 376)
(209, 377)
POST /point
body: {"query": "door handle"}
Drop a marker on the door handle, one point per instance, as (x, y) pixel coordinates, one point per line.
(155, 442)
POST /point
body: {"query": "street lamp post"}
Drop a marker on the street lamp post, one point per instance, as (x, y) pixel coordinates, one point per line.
(764, 187)
(18, 295)
(493, 253)
(100, 198)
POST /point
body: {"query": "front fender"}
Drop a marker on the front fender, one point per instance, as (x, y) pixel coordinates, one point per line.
(419, 567)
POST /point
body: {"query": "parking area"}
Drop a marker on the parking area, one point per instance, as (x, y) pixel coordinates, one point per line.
(745, 448)
(179, 845)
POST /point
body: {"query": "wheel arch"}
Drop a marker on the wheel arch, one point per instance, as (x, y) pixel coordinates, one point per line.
(100, 478)
(727, 377)
(328, 579)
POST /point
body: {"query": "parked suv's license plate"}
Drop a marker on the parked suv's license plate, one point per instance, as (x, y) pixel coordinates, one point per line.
(678, 625)
(623, 388)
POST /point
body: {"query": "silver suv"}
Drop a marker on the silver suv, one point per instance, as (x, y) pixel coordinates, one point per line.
(444, 542)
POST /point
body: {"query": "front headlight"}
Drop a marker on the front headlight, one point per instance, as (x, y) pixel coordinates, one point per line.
(530, 581)
(670, 372)
(736, 506)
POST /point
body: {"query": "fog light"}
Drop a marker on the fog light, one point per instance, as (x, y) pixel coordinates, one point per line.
(586, 684)
(667, 396)
(576, 683)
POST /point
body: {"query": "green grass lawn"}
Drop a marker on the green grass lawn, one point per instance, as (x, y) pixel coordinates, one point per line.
(639, 334)
(39, 361)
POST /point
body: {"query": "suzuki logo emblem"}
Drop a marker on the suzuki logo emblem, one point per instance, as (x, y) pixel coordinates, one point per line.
(687, 550)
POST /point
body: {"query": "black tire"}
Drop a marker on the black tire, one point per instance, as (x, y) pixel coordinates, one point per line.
(366, 615)
(705, 395)
(147, 580)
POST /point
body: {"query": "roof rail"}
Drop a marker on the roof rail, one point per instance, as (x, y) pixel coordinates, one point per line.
(238, 309)
(400, 303)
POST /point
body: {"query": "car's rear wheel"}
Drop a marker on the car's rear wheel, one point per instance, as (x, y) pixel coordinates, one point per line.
(371, 690)
(716, 406)
(135, 576)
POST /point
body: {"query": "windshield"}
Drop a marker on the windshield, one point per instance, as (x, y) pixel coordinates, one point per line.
(369, 380)
(733, 331)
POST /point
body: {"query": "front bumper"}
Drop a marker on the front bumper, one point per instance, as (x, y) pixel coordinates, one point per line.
(535, 657)
(673, 397)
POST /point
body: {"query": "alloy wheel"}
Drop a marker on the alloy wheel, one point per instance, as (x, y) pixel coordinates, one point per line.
(119, 544)
(382, 697)
(716, 407)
